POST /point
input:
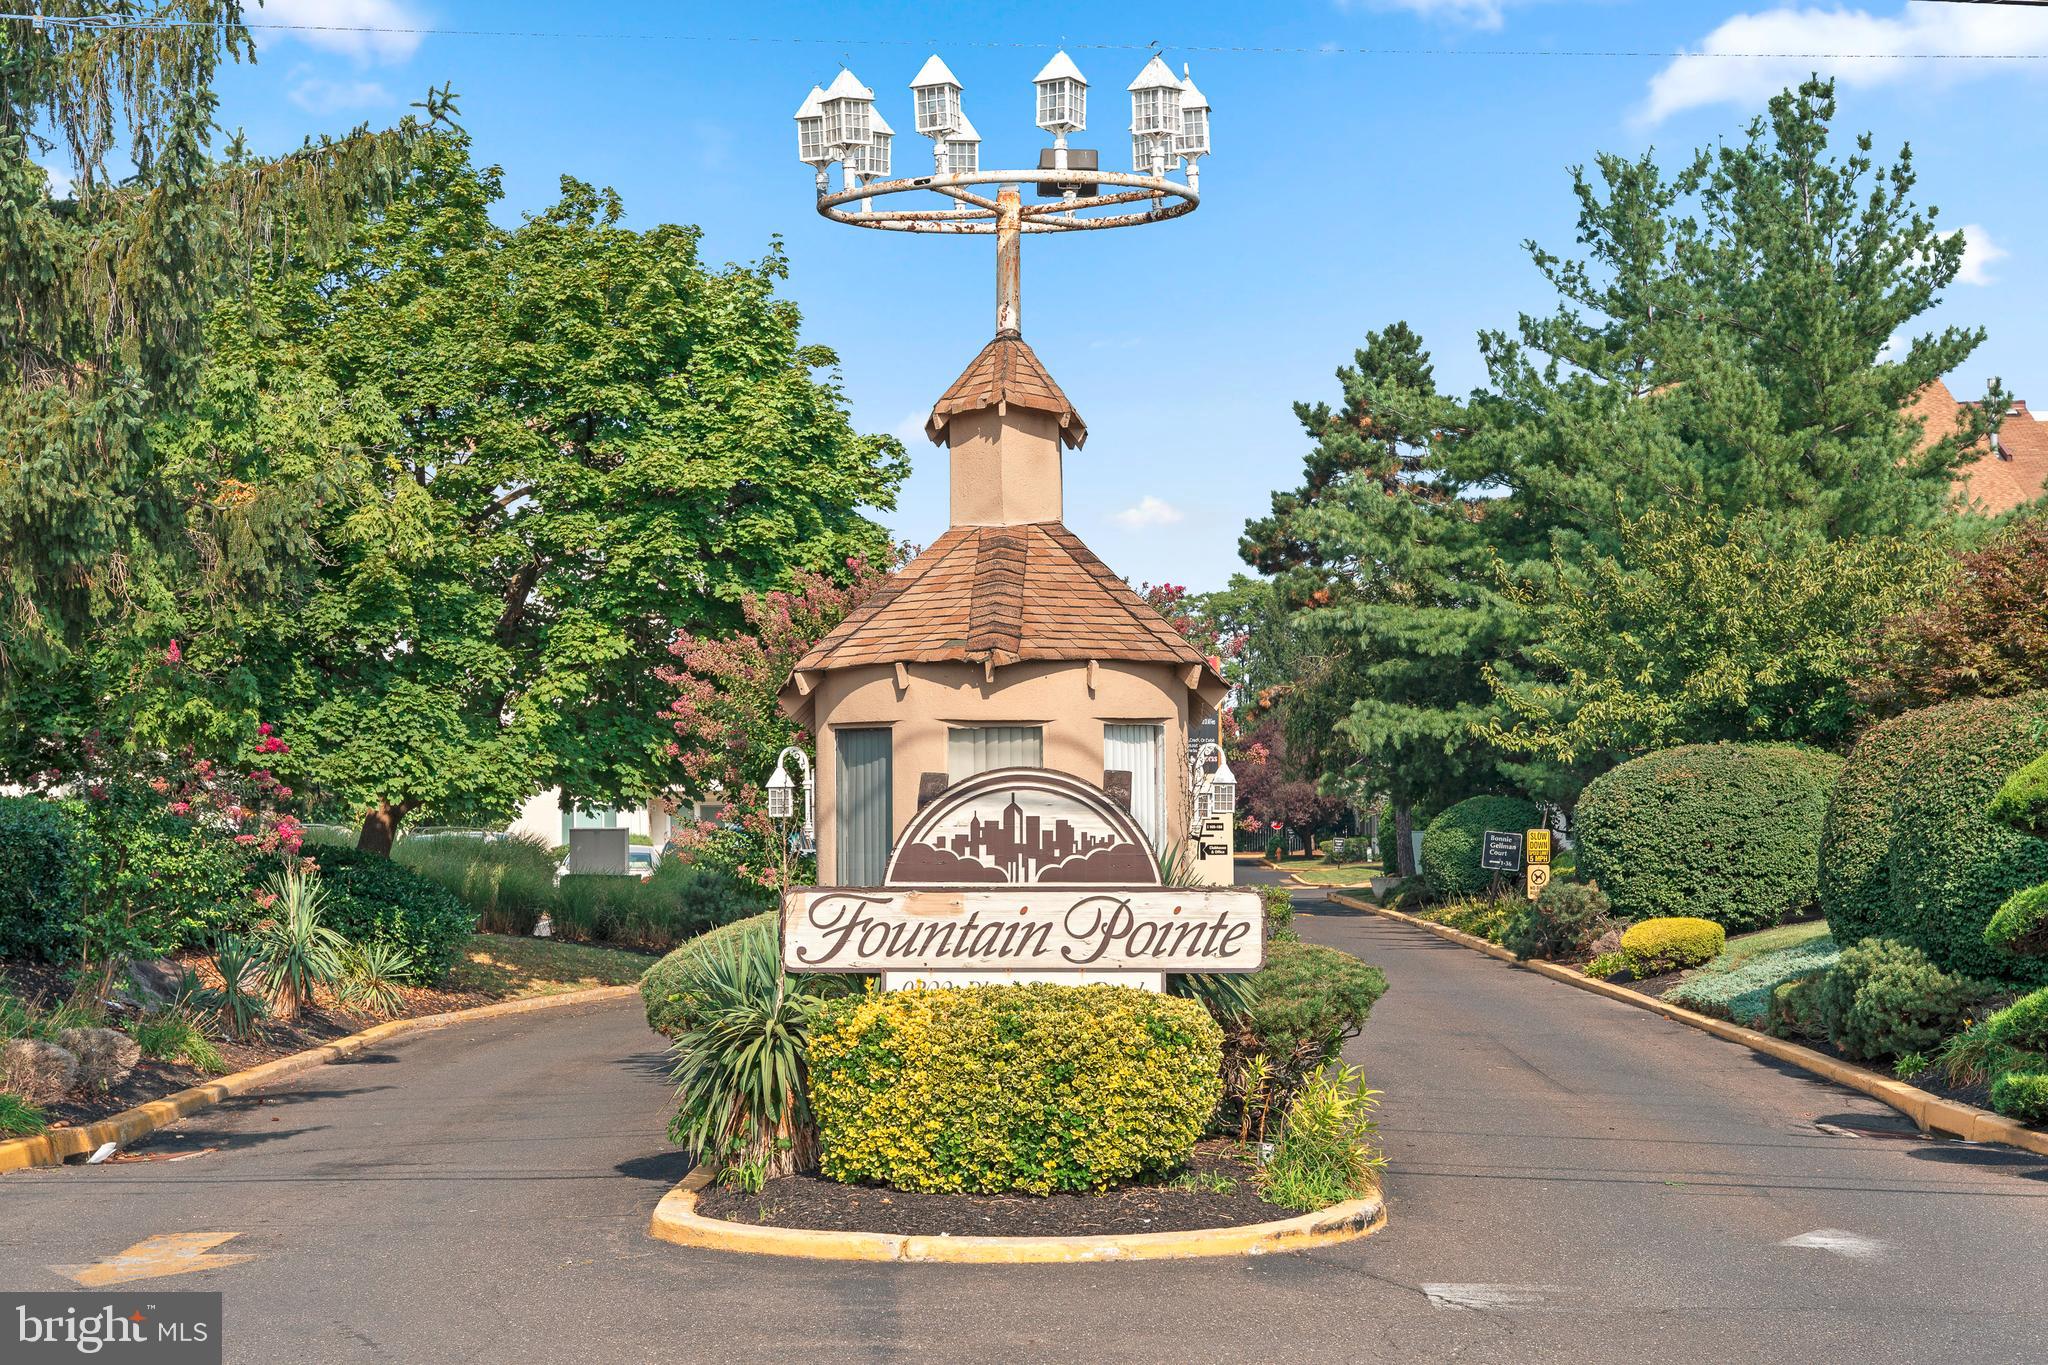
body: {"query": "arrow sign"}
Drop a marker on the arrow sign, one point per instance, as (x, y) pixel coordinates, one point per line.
(173, 1253)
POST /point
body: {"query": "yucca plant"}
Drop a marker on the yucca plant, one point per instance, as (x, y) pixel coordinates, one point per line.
(739, 1069)
(237, 1008)
(371, 974)
(299, 952)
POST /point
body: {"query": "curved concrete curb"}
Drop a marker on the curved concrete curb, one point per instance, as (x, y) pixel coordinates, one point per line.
(50, 1149)
(1930, 1111)
(676, 1220)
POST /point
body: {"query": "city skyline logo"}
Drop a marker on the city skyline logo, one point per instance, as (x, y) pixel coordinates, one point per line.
(1030, 831)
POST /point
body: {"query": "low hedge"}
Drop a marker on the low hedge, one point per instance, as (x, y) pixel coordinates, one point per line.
(668, 1008)
(1910, 851)
(2022, 1095)
(1886, 999)
(40, 859)
(1306, 1003)
(1670, 944)
(1726, 832)
(1451, 844)
(1031, 1088)
(372, 899)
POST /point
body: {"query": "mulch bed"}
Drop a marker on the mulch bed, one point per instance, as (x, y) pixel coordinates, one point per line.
(321, 1022)
(809, 1201)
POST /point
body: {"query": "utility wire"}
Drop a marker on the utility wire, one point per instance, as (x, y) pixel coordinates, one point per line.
(92, 22)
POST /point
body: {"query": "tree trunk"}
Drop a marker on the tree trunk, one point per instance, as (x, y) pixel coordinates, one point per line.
(380, 828)
(1404, 840)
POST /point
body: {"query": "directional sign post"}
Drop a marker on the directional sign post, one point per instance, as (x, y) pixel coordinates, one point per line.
(1501, 851)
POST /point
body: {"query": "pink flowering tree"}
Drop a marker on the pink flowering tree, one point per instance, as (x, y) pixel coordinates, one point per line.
(729, 726)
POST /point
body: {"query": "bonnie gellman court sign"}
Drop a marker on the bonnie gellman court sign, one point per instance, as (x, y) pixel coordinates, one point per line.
(1022, 874)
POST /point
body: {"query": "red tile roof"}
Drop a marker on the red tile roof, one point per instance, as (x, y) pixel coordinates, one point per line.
(2016, 471)
(1007, 373)
(998, 595)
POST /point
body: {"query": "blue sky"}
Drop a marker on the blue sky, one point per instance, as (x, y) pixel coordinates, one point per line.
(1348, 189)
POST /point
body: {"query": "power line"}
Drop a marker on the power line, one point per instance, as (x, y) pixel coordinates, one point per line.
(102, 22)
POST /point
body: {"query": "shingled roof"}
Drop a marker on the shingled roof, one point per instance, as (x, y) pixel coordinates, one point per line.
(2013, 472)
(998, 595)
(1007, 373)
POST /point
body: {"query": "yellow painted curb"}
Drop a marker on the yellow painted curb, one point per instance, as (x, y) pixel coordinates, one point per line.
(676, 1220)
(50, 1149)
(1932, 1112)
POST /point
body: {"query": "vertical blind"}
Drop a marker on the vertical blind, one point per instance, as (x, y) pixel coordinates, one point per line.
(1140, 750)
(861, 806)
(972, 749)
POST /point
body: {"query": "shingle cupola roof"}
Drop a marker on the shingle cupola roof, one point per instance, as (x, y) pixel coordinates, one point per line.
(1007, 374)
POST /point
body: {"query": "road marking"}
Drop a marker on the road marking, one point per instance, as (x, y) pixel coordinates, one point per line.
(173, 1253)
(1852, 1245)
(1487, 1296)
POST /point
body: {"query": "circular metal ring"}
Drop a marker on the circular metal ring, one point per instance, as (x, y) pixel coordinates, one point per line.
(1170, 199)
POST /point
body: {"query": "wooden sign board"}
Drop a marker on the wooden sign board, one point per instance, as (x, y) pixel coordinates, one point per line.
(1075, 931)
(1501, 851)
(1536, 846)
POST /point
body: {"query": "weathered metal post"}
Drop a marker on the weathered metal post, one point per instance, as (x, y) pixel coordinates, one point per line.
(1009, 283)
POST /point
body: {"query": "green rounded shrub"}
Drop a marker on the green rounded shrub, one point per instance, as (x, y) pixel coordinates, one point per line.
(2022, 1095)
(1885, 999)
(1726, 832)
(668, 1005)
(2021, 924)
(1671, 944)
(1033, 1088)
(1909, 851)
(39, 863)
(2023, 801)
(1561, 923)
(1306, 1002)
(2023, 1024)
(371, 899)
(1452, 843)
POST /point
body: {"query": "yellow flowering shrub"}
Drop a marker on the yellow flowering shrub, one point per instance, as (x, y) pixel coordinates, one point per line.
(1652, 947)
(1031, 1088)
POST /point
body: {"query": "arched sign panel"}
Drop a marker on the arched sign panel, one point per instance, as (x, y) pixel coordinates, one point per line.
(1022, 874)
(1023, 827)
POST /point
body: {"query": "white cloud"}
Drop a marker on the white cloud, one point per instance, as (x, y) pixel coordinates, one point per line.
(322, 96)
(1475, 13)
(910, 430)
(60, 183)
(1980, 253)
(1815, 39)
(368, 30)
(1149, 511)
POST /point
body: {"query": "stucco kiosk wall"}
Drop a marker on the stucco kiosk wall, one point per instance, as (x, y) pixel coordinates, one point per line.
(1057, 695)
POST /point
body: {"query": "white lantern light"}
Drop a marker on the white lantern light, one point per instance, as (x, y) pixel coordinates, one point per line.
(873, 159)
(1155, 101)
(1194, 118)
(963, 148)
(1062, 96)
(936, 92)
(1223, 787)
(781, 793)
(848, 107)
(1204, 808)
(810, 130)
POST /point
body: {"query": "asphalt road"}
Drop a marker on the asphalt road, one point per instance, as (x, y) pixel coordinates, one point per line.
(1571, 1180)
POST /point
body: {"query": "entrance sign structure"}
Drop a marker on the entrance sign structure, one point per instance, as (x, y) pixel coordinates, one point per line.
(1023, 874)
(1007, 644)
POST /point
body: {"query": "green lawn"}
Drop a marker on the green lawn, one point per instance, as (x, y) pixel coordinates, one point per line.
(1316, 872)
(1743, 947)
(514, 968)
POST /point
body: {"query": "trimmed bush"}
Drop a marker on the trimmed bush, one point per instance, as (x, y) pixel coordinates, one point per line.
(1451, 844)
(1794, 1011)
(1726, 832)
(1563, 922)
(1306, 1003)
(1034, 1088)
(1671, 944)
(371, 899)
(1279, 903)
(39, 859)
(2023, 1024)
(1743, 994)
(1909, 851)
(2022, 1095)
(2021, 924)
(2023, 801)
(1885, 999)
(669, 1008)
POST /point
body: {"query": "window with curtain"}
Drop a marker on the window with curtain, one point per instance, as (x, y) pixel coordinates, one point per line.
(972, 749)
(861, 805)
(1140, 750)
